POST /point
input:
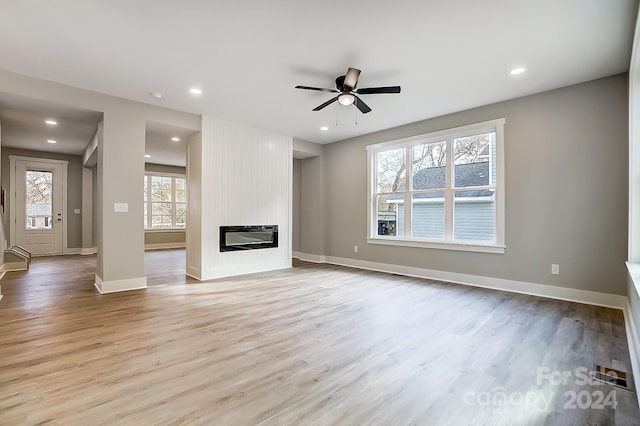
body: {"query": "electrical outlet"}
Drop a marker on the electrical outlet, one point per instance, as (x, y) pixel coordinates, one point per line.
(555, 269)
(355, 249)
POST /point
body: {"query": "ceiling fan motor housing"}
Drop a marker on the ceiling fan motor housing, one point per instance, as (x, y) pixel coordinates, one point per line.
(340, 83)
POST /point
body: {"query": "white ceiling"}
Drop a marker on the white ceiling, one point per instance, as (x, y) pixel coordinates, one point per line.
(23, 125)
(448, 55)
(162, 149)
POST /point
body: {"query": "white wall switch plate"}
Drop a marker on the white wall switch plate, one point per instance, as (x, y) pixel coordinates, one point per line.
(76, 211)
(555, 269)
(120, 207)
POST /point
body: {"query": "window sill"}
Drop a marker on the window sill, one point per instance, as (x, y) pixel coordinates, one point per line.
(474, 247)
(634, 273)
(158, 230)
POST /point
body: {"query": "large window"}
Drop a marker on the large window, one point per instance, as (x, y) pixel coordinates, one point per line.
(439, 190)
(165, 202)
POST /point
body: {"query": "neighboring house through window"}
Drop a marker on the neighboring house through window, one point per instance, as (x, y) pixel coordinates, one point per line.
(454, 198)
(165, 201)
(38, 216)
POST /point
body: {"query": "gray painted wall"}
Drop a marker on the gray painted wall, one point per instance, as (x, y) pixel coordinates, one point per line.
(566, 191)
(296, 205)
(87, 208)
(94, 206)
(74, 189)
(313, 206)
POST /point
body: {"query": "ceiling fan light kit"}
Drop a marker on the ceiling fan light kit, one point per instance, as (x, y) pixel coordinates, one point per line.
(346, 87)
(346, 99)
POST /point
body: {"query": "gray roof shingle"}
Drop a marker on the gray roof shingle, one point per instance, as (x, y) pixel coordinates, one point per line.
(470, 174)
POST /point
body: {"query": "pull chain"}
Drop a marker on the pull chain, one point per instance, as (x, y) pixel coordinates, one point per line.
(356, 111)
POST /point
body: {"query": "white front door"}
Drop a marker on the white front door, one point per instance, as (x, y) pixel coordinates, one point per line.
(39, 206)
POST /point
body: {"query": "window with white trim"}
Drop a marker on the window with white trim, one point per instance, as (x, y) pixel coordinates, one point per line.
(165, 201)
(439, 190)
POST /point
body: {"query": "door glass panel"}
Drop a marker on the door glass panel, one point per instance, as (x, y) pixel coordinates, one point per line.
(39, 199)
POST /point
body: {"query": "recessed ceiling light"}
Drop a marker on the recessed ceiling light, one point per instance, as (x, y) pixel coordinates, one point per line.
(51, 122)
(175, 139)
(156, 95)
(51, 141)
(147, 156)
(518, 70)
(324, 128)
(195, 91)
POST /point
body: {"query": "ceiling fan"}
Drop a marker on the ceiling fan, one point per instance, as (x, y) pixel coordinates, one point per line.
(346, 87)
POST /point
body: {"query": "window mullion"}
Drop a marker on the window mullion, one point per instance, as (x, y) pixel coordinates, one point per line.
(150, 211)
(149, 224)
(448, 193)
(407, 193)
(173, 202)
(373, 193)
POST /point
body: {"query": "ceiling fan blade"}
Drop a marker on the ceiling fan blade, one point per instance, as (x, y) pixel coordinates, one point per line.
(329, 102)
(317, 88)
(364, 108)
(374, 90)
(351, 79)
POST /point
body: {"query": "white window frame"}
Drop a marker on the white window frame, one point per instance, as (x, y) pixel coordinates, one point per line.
(147, 177)
(449, 243)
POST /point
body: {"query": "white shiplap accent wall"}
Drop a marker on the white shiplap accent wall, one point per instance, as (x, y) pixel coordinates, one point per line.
(246, 180)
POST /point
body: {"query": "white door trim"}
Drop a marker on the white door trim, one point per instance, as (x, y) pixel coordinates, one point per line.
(12, 196)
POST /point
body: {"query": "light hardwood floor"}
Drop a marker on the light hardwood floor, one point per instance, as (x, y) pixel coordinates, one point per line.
(315, 344)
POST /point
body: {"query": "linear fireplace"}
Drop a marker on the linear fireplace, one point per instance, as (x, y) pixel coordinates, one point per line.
(249, 237)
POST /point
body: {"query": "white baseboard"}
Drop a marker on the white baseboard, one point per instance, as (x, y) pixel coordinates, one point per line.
(114, 286)
(89, 250)
(315, 258)
(245, 269)
(194, 273)
(633, 338)
(72, 250)
(160, 246)
(14, 267)
(542, 290)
